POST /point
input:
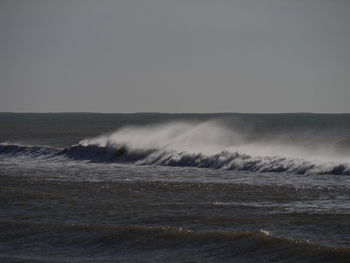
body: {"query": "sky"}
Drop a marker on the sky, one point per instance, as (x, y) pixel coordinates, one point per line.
(175, 56)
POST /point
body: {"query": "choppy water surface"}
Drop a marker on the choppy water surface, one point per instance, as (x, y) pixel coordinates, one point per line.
(174, 188)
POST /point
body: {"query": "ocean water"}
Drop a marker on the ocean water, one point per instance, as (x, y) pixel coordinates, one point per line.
(148, 187)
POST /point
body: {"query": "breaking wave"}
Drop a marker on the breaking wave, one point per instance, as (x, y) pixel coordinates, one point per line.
(208, 145)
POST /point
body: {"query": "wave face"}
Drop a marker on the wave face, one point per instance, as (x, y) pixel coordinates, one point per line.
(211, 144)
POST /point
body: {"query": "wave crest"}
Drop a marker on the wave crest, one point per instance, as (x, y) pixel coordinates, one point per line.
(206, 145)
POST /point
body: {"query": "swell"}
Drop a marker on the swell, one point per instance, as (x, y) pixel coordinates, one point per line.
(22, 150)
(133, 241)
(228, 160)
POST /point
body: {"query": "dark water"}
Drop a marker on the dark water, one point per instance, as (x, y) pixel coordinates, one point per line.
(174, 188)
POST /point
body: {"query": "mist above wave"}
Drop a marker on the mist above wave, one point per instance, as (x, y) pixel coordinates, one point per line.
(214, 137)
(207, 137)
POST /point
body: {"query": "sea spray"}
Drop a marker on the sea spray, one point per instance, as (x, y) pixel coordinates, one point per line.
(209, 144)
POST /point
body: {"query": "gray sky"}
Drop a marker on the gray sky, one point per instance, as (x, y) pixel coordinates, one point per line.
(175, 55)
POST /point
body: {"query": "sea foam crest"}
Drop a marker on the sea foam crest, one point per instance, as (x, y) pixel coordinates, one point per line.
(214, 145)
(209, 145)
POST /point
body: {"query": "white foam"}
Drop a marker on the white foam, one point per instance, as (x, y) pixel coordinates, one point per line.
(210, 138)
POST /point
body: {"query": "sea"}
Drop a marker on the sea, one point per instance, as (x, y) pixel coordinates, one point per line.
(156, 187)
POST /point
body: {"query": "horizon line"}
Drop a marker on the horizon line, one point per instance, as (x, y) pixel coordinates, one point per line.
(170, 113)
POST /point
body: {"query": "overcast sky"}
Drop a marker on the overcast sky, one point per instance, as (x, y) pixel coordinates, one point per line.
(175, 56)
